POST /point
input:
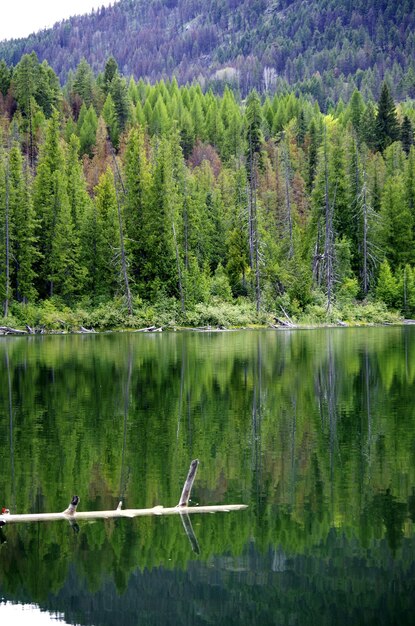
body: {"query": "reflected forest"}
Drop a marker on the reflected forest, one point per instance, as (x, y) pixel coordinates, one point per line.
(315, 431)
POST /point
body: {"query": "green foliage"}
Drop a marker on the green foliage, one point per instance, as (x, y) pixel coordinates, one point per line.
(387, 289)
(217, 199)
(387, 127)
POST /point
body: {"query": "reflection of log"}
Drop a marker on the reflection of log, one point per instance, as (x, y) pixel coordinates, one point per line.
(188, 528)
(72, 514)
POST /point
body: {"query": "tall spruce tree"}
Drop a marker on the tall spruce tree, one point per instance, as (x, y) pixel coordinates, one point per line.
(387, 126)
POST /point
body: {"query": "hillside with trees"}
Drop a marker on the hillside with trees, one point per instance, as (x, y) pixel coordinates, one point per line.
(130, 203)
(324, 48)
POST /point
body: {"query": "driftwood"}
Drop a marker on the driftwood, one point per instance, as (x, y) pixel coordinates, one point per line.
(183, 509)
(280, 322)
(88, 331)
(7, 330)
(150, 329)
(341, 323)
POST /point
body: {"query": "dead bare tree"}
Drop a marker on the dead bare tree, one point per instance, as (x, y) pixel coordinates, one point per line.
(124, 270)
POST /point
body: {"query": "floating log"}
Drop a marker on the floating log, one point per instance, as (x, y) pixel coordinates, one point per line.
(72, 515)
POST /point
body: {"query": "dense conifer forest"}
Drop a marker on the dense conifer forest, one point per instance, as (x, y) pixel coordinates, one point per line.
(129, 203)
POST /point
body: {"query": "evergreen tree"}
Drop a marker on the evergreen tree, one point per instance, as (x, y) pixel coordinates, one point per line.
(83, 86)
(138, 185)
(5, 77)
(104, 266)
(109, 114)
(118, 91)
(87, 132)
(65, 275)
(49, 197)
(24, 252)
(397, 223)
(110, 71)
(407, 135)
(387, 287)
(368, 130)
(387, 127)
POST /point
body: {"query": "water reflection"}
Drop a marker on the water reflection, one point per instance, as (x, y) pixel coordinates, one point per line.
(314, 430)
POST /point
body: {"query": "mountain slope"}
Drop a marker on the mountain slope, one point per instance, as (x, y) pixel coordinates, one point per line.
(332, 45)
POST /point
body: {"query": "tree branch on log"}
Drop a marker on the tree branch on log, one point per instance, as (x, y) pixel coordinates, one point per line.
(72, 515)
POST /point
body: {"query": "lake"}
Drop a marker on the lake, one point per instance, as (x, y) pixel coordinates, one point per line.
(314, 430)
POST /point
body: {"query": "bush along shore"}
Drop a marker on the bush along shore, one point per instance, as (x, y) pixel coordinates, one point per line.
(51, 317)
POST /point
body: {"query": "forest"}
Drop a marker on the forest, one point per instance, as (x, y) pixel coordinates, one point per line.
(323, 48)
(126, 203)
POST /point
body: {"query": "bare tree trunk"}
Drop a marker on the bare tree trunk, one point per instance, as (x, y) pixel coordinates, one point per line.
(256, 246)
(288, 199)
(328, 247)
(250, 212)
(179, 272)
(7, 237)
(31, 150)
(127, 291)
(365, 229)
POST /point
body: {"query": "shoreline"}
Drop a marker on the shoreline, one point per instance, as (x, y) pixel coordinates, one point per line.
(34, 332)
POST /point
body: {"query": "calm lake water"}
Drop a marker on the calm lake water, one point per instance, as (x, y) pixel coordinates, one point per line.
(314, 430)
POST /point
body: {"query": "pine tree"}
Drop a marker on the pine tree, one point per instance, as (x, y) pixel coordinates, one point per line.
(104, 267)
(355, 111)
(387, 287)
(87, 132)
(110, 71)
(407, 135)
(83, 86)
(79, 205)
(118, 91)
(65, 275)
(397, 223)
(387, 127)
(24, 252)
(109, 114)
(368, 130)
(46, 202)
(138, 184)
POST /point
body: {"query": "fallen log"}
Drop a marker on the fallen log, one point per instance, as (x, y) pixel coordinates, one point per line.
(284, 323)
(7, 330)
(150, 329)
(72, 515)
